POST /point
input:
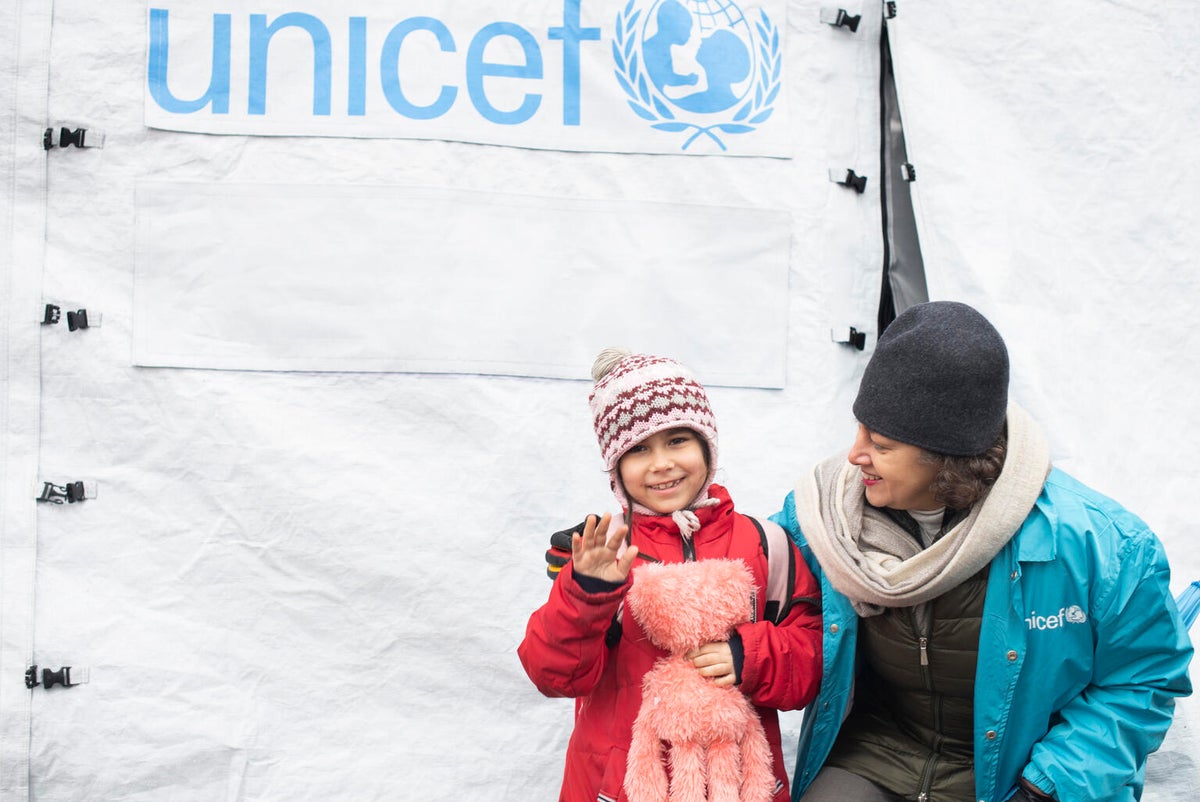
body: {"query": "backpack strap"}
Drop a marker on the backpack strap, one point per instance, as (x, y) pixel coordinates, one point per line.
(781, 569)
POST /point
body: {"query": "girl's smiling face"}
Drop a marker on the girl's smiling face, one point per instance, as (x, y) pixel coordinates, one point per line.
(895, 473)
(666, 471)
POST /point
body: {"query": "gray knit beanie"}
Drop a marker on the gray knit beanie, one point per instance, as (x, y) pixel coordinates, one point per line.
(938, 380)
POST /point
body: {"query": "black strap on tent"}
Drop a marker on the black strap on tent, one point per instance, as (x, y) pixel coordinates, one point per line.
(839, 18)
(76, 318)
(65, 137)
(65, 676)
(850, 179)
(903, 281)
(67, 492)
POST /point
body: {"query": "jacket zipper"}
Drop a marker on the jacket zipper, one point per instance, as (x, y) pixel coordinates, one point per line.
(936, 699)
(927, 778)
(922, 647)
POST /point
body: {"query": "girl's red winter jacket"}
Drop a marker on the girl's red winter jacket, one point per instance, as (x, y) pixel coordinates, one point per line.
(565, 654)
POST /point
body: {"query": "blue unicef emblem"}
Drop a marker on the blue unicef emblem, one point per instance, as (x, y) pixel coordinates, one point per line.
(697, 67)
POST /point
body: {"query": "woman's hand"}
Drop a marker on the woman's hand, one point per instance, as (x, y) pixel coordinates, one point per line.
(594, 553)
(714, 661)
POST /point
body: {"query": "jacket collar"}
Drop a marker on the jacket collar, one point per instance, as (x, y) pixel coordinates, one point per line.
(715, 520)
(1035, 541)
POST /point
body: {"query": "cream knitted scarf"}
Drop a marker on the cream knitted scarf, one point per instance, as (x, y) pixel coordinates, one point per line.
(876, 564)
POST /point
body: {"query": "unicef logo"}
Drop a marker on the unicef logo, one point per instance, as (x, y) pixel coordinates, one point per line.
(697, 67)
(1066, 615)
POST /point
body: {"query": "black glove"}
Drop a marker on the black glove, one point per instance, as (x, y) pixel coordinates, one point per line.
(559, 553)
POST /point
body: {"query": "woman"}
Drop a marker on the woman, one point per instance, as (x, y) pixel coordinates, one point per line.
(993, 629)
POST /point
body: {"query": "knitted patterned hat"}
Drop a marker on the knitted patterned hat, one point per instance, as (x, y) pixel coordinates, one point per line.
(938, 380)
(637, 395)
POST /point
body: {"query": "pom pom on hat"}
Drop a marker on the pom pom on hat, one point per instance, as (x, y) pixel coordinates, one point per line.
(938, 380)
(608, 359)
(638, 395)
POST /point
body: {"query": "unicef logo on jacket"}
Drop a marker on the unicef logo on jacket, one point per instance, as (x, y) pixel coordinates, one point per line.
(1065, 615)
(697, 68)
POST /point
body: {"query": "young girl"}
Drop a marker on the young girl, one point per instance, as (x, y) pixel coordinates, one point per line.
(658, 440)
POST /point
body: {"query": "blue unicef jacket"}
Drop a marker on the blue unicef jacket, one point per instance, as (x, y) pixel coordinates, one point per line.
(1081, 654)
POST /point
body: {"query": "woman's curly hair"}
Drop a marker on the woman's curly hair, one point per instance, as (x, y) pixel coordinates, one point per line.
(962, 481)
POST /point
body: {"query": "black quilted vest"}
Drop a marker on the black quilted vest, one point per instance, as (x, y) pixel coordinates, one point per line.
(911, 728)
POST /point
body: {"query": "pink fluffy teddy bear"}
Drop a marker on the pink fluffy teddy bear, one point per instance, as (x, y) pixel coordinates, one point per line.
(718, 750)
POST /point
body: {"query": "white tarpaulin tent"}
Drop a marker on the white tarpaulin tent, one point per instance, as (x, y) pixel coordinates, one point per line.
(345, 266)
